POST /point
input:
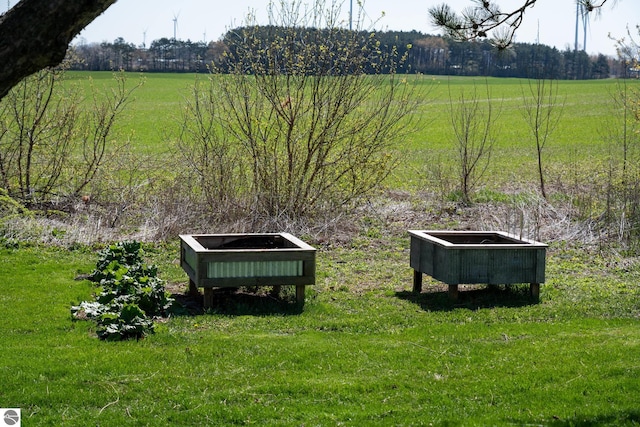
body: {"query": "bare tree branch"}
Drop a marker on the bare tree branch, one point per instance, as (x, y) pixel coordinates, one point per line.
(35, 34)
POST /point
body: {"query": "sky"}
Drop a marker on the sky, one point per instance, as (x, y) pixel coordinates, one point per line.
(551, 22)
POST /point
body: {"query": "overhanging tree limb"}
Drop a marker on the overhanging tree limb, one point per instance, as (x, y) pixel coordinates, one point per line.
(35, 34)
(485, 16)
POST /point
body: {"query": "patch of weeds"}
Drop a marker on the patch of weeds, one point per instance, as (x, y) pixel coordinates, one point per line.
(54, 214)
(10, 206)
(9, 210)
(454, 196)
(9, 243)
(372, 227)
(58, 233)
(486, 195)
(131, 294)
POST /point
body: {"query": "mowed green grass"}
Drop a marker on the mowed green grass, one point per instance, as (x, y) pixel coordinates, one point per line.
(363, 351)
(581, 139)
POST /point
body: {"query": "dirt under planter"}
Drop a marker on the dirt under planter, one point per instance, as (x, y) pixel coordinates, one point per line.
(249, 259)
(476, 257)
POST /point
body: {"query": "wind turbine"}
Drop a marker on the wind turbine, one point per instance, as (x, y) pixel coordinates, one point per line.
(585, 23)
(582, 12)
(575, 44)
(175, 24)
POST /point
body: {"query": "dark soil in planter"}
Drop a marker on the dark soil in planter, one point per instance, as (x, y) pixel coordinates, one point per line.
(253, 242)
(479, 239)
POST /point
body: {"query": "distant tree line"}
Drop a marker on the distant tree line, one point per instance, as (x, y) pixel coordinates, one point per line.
(425, 54)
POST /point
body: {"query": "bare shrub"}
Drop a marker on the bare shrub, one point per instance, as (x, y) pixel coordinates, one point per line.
(210, 154)
(305, 119)
(542, 113)
(473, 124)
(51, 148)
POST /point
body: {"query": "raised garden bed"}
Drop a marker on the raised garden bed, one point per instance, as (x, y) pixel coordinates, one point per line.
(476, 257)
(234, 260)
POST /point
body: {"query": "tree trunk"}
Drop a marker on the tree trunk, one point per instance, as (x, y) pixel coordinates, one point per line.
(35, 34)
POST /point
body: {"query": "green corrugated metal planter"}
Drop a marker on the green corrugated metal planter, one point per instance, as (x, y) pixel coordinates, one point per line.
(249, 259)
(476, 257)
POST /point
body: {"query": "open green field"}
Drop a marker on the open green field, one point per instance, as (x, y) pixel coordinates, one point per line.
(579, 141)
(364, 350)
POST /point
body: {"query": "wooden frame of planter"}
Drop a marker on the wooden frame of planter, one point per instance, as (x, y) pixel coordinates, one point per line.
(249, 259)
(476, 257)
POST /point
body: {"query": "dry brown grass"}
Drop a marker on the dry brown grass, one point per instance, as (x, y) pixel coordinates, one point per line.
(161, 217)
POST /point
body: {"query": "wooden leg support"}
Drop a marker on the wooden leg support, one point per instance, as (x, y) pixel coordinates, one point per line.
(208, 298)
(193, 289)
(300, 294)
(453, 292)
(534, 291)
(417, 281)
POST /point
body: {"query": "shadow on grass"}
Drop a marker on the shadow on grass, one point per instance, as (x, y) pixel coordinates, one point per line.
(471, 297)
(625, 418)
(237, 302)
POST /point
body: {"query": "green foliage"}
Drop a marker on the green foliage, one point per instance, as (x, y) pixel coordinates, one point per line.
(9, 209)
(125, 321)
(130, 294)
(128, 254)
(10, 206)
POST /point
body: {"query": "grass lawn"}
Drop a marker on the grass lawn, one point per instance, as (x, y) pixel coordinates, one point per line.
(363, 351)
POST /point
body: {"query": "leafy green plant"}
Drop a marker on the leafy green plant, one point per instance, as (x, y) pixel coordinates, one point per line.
(125, 254)
(127, 322)
(131, 294)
